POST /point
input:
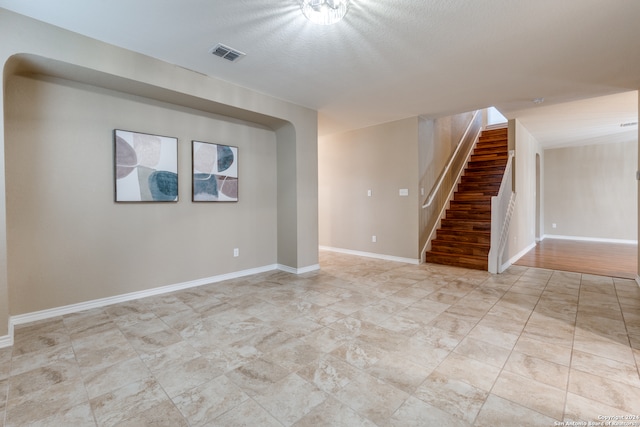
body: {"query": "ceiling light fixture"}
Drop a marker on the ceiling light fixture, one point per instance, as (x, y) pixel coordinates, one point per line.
(324, 12)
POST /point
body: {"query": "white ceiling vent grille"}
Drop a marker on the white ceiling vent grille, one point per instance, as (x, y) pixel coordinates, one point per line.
(227, 52)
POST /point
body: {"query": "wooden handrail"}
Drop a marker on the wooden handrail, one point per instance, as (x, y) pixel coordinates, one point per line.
(436, 188)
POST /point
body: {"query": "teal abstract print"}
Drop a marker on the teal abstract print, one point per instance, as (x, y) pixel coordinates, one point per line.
(146, 167)
(215, 172)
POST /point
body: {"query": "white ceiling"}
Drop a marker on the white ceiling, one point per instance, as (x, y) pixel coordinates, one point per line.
(393, 59)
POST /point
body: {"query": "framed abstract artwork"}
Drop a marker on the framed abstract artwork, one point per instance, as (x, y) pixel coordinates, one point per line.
(145, 167)
(215, 172)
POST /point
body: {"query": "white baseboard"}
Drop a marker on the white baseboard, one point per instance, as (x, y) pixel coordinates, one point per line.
(303, 270)
(7, 340)
(371, 255)
(517, 256)
(590, 239)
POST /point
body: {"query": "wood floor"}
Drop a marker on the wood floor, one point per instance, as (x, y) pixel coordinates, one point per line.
(606, 259)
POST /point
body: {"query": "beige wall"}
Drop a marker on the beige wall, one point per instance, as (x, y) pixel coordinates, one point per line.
(522, 230)
(68, 242)
(438, 139)
(383, 159)
(591, 191)
(31, 46)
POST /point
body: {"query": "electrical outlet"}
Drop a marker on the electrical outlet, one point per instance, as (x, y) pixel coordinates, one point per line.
(374, 239)
(553, 225)
(369, 193)
(236, 252)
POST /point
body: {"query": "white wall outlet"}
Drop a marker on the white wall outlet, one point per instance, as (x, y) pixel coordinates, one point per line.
(374, 239)
(404, 191)
(369, 193)
(236, 252)
(554, 225)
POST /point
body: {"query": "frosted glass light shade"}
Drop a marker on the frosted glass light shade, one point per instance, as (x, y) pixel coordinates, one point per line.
(324, 12)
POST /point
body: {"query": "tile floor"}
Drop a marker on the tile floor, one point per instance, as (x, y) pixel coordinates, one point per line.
(362, 342)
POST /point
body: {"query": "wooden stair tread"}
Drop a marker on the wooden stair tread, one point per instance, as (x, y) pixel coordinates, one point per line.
(464, 236)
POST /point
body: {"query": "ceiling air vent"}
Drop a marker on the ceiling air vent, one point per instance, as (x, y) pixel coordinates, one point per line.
(227, 52)
(624, 125)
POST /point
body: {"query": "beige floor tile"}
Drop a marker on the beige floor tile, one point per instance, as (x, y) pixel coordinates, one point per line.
(268, 338)
(471, 371)
(604, 346)
(247, 414)
(45, 403)
(421, 352)
(444, 297)
(162, 414)
(332, 413)
(129, 312)
(298, 327)
(201, 405)
(181, 376)
(452, 396)
(537, 369)
(539, 397)
(120, 404)
(382, 338)
(502, 412)
(105, 380)
(408, 321)
(26, 383)
(328, 373)
(560, 311)
(326, 340)
(37, 359)
(549, 330)
(455, 324)
(359, 354)
(372, 343)
(483, 352)
(293, 355)
(230, 356)
(400, 372)
(291, 399)
(103, 349)
(506, 340)
(372, 398)
(554, 353)
(437, 337)
(606, 391)
(40, 336)
(523, 302)
(607, 368)
(257, 377)
(87, 322)
(4, 390)
(417, 413)
(527, 289)
(76, 416)
(581, 409)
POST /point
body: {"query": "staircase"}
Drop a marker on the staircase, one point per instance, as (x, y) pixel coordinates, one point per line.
(464, 236)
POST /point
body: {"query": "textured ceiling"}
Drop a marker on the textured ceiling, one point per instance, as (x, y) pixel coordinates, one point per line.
(387, 59)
